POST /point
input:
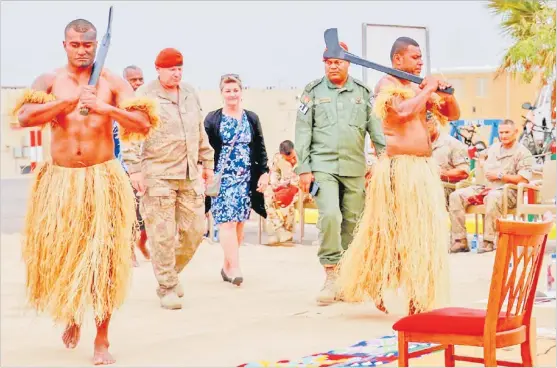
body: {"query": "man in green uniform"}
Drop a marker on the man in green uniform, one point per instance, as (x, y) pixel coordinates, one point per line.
(333, 118)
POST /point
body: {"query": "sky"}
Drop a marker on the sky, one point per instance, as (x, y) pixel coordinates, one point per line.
(269, 43)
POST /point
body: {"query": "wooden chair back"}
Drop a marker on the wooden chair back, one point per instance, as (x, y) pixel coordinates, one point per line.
(549, 181)
(518, 262)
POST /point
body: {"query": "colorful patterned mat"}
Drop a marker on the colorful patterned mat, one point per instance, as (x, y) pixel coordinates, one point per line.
(370, 353)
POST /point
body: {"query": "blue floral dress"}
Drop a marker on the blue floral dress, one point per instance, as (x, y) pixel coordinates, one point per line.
(233, 204)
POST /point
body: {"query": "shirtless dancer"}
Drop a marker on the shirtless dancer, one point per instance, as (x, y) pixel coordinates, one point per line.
(402, 238)
(81, 221)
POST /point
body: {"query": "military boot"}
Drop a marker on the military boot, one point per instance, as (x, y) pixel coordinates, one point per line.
(284, 236)
(328, 292)
(487, 246)
(171, 301)
(179, 290)
(460, 246)
(272, 240)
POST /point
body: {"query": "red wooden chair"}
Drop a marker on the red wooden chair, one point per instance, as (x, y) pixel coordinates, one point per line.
(521, 244)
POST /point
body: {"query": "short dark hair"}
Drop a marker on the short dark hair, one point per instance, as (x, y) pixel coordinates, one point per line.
(286, 147)
(81, 26)
(401, 44)
(508, 122)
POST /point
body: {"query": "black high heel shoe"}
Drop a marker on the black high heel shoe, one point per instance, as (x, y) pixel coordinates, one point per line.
(237, 280)
(225, 277)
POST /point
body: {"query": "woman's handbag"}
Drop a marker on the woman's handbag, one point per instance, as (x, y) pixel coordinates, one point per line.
(213, 189)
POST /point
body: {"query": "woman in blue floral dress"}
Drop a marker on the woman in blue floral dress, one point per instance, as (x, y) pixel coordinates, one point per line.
(240, 155)
(233, 203)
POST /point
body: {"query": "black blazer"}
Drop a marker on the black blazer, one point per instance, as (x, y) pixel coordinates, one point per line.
(258, 154)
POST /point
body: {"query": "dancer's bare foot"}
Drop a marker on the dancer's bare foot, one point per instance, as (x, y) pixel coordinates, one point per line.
(381, 306)
(101, 354)
(71, 335)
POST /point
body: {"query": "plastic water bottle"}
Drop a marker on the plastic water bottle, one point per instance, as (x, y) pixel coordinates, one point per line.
(474, 247)
(550, 276)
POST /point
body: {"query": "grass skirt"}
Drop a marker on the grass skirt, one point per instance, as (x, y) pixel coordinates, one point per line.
(402, 238)
(79, 230)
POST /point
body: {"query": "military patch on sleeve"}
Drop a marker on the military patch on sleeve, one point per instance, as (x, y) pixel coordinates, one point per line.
(303, 108)
(304, 104)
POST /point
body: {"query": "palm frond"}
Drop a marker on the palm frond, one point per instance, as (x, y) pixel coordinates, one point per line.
(531, 25)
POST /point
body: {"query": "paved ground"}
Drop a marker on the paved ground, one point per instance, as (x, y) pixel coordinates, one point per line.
(271, 317)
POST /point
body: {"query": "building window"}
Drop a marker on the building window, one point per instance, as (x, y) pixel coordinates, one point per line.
(457, 85)
(481, 87)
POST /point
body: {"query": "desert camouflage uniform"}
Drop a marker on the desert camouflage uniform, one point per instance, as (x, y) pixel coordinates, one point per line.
(451, 154)
(282, 173)
(514, 161)
(173, 203)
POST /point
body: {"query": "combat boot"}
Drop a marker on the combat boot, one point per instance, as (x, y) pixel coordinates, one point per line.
(171, 301)
(328, 292)
(284, 236)
(272, 240)
(179, 290)
(460, 246)
(487, 246)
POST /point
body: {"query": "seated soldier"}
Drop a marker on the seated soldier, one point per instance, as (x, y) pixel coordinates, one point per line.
(507, 162)
(281, 217)
(450, 153)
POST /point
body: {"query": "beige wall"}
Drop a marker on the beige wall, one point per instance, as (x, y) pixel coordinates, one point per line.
(482, 97)
(12, 137)
(277, 110)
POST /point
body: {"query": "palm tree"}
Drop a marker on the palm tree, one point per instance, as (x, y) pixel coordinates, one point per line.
(531, 25)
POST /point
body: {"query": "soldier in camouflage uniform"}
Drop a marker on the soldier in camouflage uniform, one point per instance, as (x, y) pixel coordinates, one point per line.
(508, 162)
(451, 154)
(334, 116)
(164, 169)
(280, 221)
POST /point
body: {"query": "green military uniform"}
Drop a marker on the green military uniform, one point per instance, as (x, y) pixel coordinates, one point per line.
(331, 126)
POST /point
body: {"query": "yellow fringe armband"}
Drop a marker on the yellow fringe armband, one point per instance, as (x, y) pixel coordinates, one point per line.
(434, 105)
(30, 96)
(387, 94)
(147, 105)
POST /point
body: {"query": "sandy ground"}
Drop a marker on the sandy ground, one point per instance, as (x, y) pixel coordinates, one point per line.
(272, 316)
